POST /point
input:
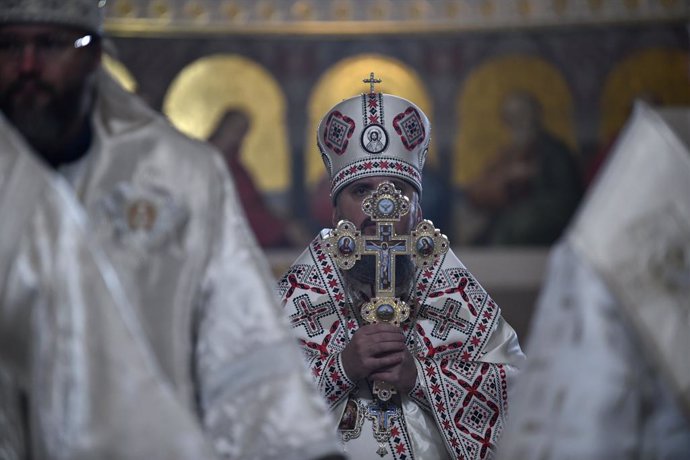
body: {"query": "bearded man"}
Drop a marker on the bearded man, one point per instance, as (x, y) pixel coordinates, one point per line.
(451, 362)
(166, 212)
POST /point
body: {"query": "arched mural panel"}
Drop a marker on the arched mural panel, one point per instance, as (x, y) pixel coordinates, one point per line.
(478, 105)
(207, 88)
(515, 168)
(657, 75)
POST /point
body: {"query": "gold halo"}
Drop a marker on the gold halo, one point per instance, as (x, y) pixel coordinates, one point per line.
(119, 72)
(344, 80)
(481, 134)
(204, 90)
(661, 73)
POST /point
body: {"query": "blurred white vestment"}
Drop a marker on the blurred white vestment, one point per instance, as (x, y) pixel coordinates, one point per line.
(166, 211)
(608, 367)
(77, 378)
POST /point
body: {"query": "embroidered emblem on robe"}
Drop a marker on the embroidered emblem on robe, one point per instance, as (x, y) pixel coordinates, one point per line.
(143, 219)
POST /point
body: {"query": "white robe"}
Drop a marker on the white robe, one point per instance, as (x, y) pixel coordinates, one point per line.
(77, 380)
(466, 355)
(608, 374)
(164, 208)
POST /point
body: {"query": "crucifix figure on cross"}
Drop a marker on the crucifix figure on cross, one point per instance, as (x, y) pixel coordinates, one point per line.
(386, 205)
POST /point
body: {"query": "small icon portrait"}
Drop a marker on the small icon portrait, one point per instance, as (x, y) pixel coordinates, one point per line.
(386, 206)
(425, 246)
(346, 245)
(141, 215)
(374, 139)
(349, 420)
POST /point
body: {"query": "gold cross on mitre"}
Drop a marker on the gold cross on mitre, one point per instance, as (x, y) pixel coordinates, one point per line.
(372, 81)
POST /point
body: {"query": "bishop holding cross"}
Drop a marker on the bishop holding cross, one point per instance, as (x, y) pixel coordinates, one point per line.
(387, 305)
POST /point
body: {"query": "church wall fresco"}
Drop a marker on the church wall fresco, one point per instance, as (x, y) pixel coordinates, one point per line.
(584, 76)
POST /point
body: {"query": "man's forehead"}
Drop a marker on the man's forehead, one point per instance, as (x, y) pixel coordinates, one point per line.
(374, 181)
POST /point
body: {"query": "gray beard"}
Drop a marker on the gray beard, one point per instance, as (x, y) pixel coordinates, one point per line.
(364, 272)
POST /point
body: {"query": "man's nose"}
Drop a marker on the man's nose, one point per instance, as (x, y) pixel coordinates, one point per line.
(29, 59)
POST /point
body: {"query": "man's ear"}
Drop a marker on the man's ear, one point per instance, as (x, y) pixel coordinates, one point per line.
(419, 214)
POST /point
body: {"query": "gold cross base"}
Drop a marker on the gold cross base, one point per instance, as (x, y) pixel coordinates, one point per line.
(385, 310)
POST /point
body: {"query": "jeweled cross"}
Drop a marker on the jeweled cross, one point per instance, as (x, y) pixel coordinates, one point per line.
(385, 206)
(346, 245)
(372, 81)
(382, 415)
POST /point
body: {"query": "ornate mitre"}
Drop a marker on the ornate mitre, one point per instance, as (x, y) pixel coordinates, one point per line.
(374, 134)
(82, 14)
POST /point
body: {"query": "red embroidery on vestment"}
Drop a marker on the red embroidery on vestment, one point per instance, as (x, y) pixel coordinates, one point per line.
(454, 320)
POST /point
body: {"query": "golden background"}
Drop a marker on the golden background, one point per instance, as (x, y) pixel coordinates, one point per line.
(478, 104)
(660, 73)
(120, 73)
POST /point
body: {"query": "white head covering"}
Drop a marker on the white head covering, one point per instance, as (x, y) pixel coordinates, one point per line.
(374, 134)
(82, 14)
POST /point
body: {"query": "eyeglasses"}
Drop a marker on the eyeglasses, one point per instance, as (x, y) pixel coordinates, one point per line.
(45, 46)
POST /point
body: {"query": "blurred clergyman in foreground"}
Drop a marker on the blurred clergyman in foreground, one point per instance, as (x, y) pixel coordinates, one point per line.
(608, 374)
(76, 379)
(165, 210)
